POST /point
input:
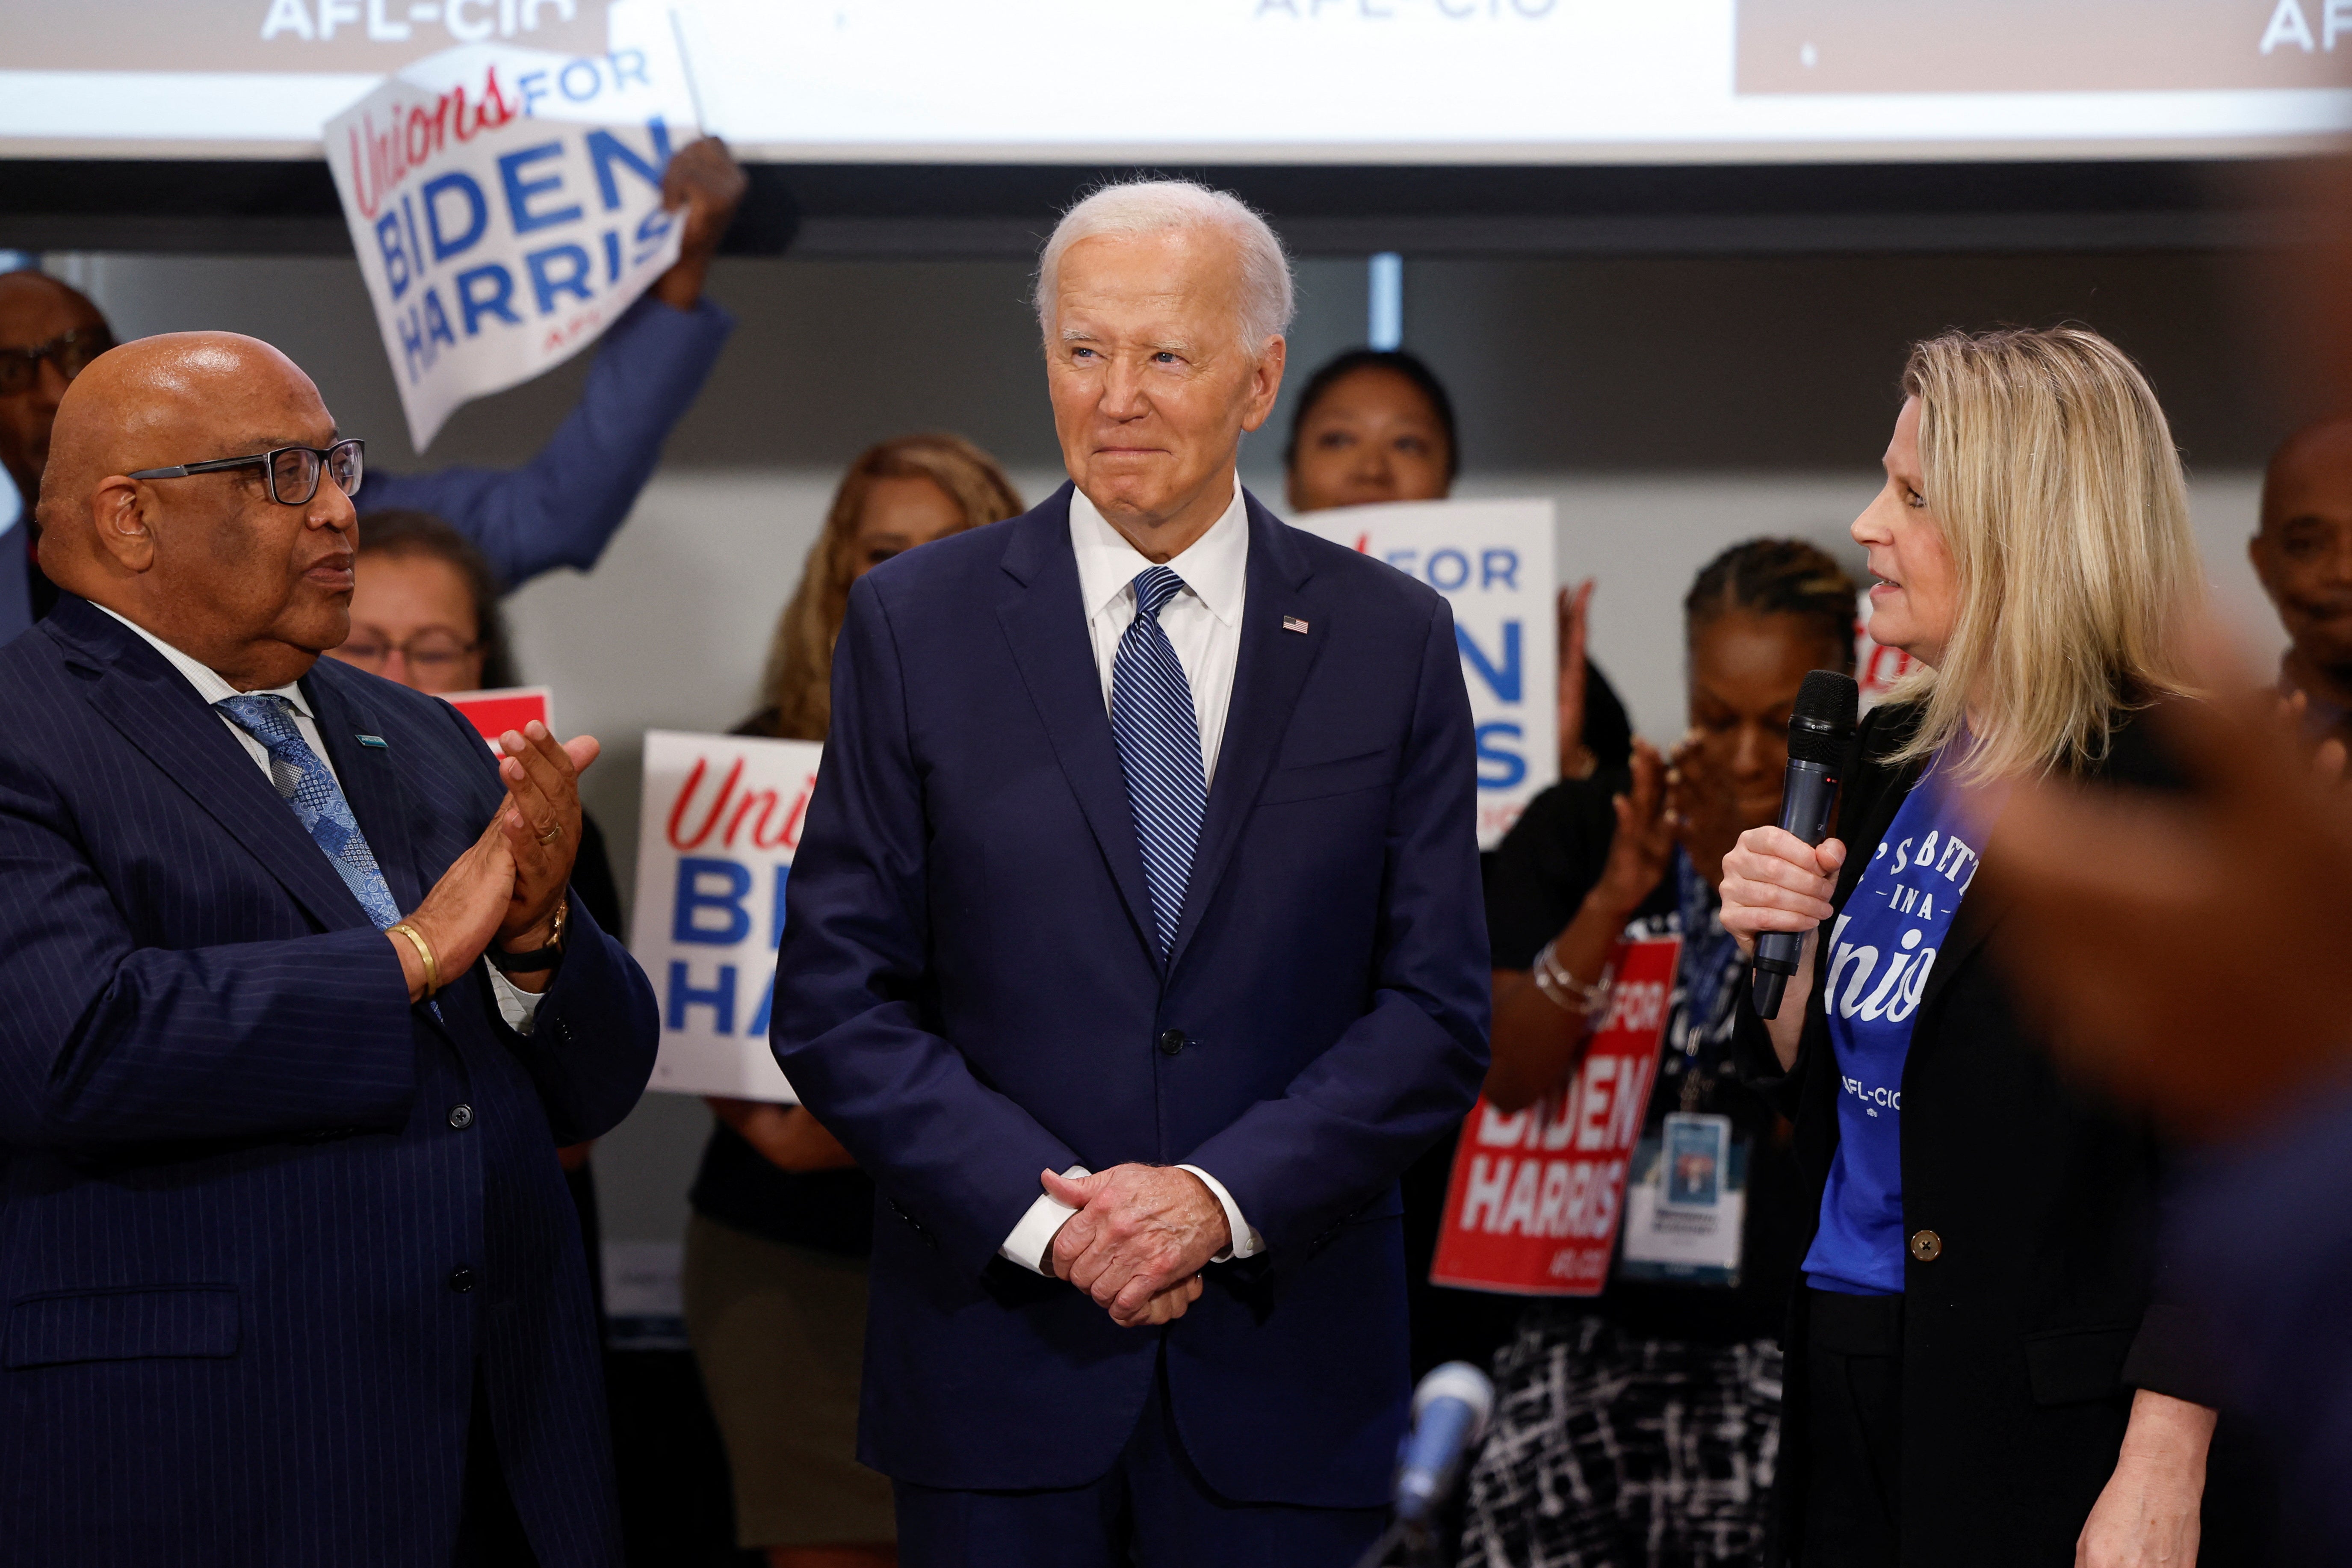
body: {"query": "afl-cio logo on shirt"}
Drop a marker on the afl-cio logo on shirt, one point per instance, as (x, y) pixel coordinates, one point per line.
(1874, 1097)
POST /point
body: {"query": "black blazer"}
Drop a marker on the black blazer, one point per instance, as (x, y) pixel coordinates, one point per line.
(2042, 1307)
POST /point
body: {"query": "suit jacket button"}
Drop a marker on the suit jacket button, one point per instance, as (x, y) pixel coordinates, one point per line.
(461, 1117)
(1171, 1042)
(461, 1280)
(1927, 1245)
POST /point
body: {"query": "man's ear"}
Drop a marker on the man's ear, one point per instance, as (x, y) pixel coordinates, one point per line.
(1265, 383)
(119, 508)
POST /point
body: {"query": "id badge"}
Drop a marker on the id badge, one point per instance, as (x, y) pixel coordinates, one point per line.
(1685, 1203)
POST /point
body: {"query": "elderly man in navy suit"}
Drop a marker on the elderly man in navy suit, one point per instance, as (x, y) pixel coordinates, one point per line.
(1134, 945)
(298, 1006)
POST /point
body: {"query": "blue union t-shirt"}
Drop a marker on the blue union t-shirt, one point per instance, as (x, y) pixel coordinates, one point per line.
(1878, 956)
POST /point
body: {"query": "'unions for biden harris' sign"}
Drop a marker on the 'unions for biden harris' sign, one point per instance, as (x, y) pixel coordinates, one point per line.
(1493, 561)
(716, 828)
(506, 204)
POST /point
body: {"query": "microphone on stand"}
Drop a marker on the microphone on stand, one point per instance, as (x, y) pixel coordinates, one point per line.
(1449, 1417)
(1449, 1420)
(1820, 729)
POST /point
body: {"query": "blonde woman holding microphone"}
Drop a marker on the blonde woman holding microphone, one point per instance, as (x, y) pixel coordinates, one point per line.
(1983, 1365)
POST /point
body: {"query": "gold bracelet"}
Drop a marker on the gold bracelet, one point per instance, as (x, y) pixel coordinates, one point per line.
(425, 954)
(1564, 991)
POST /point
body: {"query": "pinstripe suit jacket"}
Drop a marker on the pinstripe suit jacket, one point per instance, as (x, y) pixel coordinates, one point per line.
(234, 1197)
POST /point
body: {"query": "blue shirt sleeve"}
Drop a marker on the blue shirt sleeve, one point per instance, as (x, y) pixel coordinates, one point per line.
(563, 507)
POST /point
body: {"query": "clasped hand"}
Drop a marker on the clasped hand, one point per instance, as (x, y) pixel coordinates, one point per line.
(1140, 1238)
(508, 884)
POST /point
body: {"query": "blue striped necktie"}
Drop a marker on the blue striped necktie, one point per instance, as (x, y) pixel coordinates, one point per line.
(1158, 738)
(318, 801)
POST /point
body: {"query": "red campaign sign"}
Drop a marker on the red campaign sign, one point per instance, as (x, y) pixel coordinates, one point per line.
(1534, 1203)
(493, 713)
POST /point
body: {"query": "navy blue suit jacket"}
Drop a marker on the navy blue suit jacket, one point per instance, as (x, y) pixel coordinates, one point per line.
(968, 994)
(233, 1199)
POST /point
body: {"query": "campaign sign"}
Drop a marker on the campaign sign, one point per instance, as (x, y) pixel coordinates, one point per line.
(1493, 561)
(506, 204)
(494, 711)
(722, 815)
(1535, 1195)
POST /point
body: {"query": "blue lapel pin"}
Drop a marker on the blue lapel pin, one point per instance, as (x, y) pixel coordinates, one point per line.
(375, 741)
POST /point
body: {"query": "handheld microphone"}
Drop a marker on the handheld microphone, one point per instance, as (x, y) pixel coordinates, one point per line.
(1449, 1417)
(1820, 729)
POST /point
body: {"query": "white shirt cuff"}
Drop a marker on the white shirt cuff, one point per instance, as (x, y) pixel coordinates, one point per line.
(1033, 1238)
(517, 1006)
(1247, 1242)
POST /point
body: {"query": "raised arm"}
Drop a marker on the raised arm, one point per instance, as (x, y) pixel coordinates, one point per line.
(958, 1158)
(563, 507)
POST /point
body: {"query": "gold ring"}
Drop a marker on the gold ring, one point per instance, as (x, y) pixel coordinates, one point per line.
(554, 832)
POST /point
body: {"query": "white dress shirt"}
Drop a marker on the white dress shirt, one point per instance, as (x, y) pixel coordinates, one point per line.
(517, 1006)
(1203, 623)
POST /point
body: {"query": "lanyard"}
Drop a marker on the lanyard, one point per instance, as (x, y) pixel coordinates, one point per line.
(1711, 966)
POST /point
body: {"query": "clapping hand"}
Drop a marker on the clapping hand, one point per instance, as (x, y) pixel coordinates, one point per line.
(1644, 839)
(508, 884)
(542, 824)
(460, 915)
(1140, 1238)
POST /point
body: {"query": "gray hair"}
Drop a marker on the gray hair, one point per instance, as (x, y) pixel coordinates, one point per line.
(1160, 206)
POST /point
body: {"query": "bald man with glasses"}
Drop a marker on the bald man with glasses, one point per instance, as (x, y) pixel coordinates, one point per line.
(299, 1005)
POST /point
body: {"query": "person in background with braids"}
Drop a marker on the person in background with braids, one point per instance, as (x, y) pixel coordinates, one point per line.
(1643, 1426)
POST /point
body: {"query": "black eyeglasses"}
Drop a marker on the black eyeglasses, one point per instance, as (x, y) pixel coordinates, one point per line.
(69, 351)
(293, 470)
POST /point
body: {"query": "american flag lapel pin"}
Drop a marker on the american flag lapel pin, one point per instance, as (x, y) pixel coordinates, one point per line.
(1292, 623)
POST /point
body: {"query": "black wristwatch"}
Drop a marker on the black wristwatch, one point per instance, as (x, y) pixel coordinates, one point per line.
(538, 959)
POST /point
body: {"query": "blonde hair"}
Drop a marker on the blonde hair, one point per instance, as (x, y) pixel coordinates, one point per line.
(2049, 467)
(796, 693)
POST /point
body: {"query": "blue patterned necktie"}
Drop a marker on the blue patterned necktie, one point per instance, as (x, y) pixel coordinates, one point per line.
(306, 785)
(1159, 750)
